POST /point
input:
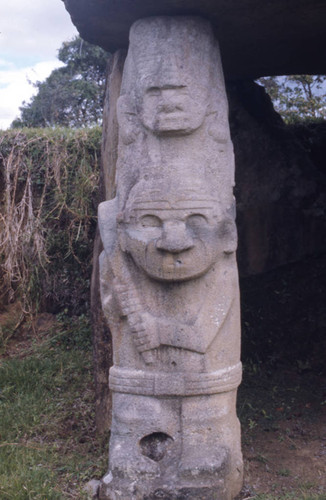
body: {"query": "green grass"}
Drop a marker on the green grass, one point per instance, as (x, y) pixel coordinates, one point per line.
(48, 446)
(8, 328)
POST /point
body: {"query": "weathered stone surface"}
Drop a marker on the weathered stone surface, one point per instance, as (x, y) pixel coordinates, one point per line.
(256, 37)
(169, 282)
(91, 489)
(102, 342)
(280, 183)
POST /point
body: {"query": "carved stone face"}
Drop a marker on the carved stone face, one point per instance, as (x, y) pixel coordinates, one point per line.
(174, 109)
(175, 239)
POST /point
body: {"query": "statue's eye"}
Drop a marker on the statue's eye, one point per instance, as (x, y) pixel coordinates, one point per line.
(153, 92)
(196, 221)
(150, 221)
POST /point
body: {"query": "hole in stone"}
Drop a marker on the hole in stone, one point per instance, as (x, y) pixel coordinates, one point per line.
(155, 445)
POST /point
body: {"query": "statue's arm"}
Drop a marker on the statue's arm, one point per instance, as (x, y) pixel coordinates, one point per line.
(158, 331)
(196, 336)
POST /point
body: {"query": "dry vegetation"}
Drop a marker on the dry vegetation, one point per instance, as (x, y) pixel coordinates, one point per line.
(47, 216)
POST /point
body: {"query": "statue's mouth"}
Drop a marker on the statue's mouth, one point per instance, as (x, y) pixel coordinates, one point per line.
(185, 265)
(172, 261)
(171, 116)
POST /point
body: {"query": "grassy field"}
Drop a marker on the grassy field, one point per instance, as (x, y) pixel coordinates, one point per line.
(49, 448)
(48, 445)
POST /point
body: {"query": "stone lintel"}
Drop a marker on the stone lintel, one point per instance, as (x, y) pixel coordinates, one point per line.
(256, 38)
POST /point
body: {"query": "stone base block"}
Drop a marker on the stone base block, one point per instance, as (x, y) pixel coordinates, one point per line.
(141, 492)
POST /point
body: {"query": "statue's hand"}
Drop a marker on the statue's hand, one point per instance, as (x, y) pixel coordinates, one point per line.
(145, 332)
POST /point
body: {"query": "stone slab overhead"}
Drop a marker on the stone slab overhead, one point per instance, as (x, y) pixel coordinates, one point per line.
(256, 37)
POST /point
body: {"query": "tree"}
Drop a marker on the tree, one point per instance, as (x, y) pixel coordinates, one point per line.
(297, 98)
(72, 96)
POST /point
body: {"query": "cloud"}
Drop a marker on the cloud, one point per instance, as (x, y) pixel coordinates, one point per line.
(16, 86)
(30, 35)
(6, 64)
(33, 30)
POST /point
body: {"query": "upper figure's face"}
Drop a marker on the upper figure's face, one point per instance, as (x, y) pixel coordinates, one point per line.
(173, 66)
(174, 109)
(175, 240)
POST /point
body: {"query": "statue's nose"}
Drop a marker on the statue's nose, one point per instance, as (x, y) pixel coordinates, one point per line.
(175, 238)
(170, 101)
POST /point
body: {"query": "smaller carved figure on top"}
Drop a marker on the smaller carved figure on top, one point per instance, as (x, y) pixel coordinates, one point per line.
(167, 88)
(172, 103)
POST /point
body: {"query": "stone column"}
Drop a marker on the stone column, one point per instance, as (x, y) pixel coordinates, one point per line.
(169, 282)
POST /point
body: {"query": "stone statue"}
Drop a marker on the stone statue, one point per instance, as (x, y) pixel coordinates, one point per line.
(169, 282)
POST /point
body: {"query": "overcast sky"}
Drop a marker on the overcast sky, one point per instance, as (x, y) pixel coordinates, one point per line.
(30, 35)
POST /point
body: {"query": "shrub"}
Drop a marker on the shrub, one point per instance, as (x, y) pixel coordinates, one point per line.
(48, 217)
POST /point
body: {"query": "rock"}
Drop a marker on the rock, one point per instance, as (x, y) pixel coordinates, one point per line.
(91, 489)
(256, 38)
(169, 282)
(280, 183)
